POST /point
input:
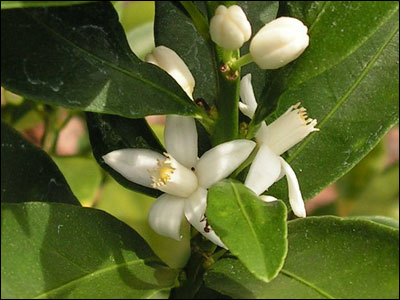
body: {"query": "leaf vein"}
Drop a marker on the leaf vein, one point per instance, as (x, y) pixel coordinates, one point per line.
(95, 273)
(246, 216)
(107, 63)
(345, 96)
(305, 282)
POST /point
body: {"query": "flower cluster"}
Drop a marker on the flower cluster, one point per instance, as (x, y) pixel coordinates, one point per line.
(179, 173)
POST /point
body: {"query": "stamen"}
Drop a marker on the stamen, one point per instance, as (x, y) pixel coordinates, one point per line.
(302, 112)
(162, 174)
(289, 129)
(296, 105)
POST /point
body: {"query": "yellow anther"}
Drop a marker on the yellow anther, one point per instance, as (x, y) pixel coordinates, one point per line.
(165, 173)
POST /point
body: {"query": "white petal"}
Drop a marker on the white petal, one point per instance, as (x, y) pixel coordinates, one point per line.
(168, 60)
(173, 178)
(247, 96)
(264, 170)
(133, 164)
(166, 215)
(289, 129)
(220, 161)
(180, 136)
(195, 207)
(295, 198)
(262, 134)
(267, 198)
(245, 110)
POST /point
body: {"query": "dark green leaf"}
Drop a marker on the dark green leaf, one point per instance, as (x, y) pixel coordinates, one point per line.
(174, 29)
(328, 257)
(24, 4)
(108, 133)
(133, 209)
(28, 173)
(337, 30)
(78, 57)
(308, 11)
(353, 96)
(253, 230)
(52, 250)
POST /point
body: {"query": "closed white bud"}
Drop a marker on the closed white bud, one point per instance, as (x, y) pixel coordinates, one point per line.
(279, 42)
(170, 62)
(229, 28)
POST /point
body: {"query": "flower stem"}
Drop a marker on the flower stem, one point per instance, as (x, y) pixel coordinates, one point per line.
(242, 61)
(227, 56)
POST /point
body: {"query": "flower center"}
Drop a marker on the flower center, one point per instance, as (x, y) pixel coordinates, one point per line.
(163, 173)
(173, 178)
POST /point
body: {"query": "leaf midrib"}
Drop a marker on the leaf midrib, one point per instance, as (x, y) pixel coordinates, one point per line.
(349, 53)
(345, 96)
(93, 274)
(105, 62)
(306, 283)
(247, 218)
(320, 13)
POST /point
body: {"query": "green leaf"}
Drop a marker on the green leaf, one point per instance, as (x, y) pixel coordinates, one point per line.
(28, 173)
(253, 230)
(380, 220)
(108, 133)
(83, 176)
(25, 4)
(354, 97)
(78, 57)
(133, 209)
(328, 257)
(52, 250)
(338, 31)
(175, 30)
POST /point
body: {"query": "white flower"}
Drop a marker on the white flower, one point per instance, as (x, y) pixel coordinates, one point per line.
(169, 61)
(279, 42)
(180, 175)
(275, 139)
(229, 27)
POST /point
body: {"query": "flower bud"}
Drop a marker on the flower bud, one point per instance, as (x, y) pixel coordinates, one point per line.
(170, 62)
(229, 28)
(279, 42)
